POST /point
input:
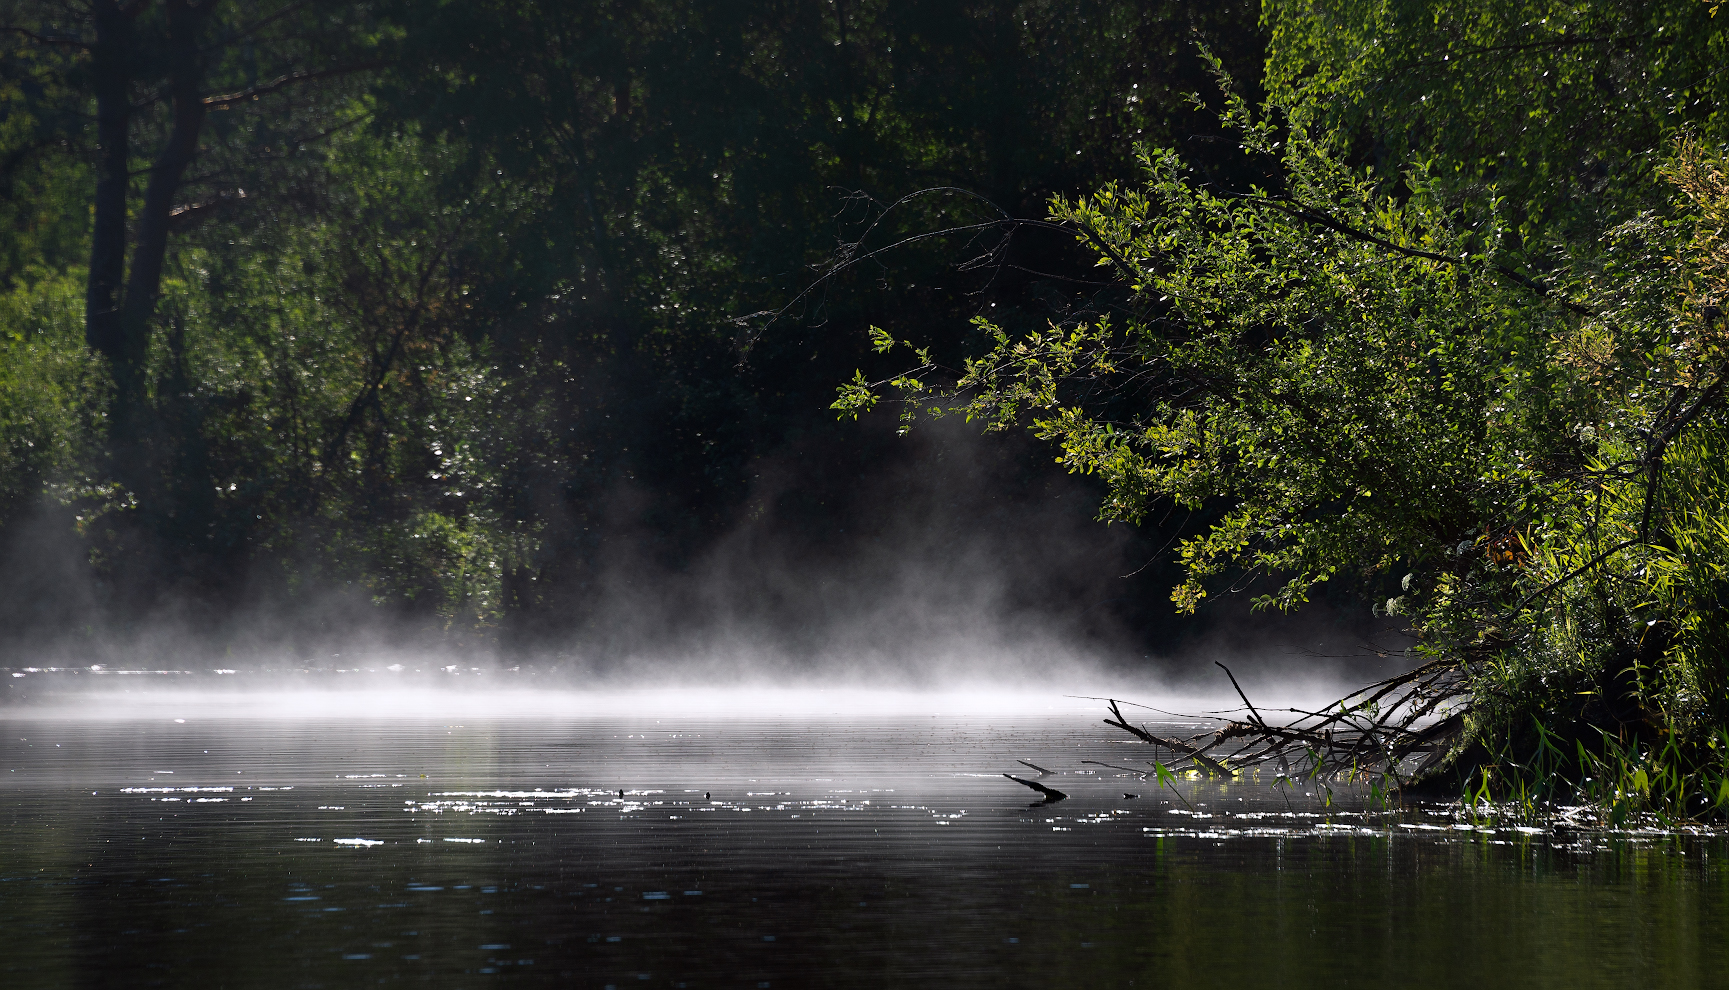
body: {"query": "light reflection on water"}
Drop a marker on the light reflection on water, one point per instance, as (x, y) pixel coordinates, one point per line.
(861, 842)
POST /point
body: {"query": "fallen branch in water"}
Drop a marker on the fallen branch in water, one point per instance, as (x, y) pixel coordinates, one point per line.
(1197, 754)
(1400, 727)
(1050, 793)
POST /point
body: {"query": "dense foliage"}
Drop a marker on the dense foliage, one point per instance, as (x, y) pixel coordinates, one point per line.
(436, 310)
(1462, 346)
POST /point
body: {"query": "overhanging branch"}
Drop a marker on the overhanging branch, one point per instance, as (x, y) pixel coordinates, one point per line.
(1308, 214)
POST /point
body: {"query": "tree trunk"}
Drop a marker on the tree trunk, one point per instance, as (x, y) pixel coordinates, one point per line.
(109, 76)
(185, 71)
(116, 327)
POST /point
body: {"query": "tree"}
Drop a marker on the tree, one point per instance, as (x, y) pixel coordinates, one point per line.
(1379, 377)
(695, 160)
(154, 74)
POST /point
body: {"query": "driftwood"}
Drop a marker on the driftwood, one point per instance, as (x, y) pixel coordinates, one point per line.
(1051, 793)
(1398, 728)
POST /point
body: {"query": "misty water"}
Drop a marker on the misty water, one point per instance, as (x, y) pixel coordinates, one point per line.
(764, 839)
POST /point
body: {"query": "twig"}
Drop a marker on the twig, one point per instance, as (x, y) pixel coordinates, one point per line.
(1050, 793)
(1192, 752)
(225, 100)
(1113, 766)
(1252, 713)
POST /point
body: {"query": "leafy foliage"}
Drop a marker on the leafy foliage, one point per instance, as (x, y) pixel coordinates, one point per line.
(442, 286)
(1487, 396)
(51, 390)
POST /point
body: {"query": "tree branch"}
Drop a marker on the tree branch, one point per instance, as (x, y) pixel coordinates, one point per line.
(1659, 443)
(227, 100)
(1304, 212)
(47, 39)
(1556, 44)
(1570, 575)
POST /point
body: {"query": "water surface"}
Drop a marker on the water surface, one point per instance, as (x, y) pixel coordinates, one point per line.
(750, 840)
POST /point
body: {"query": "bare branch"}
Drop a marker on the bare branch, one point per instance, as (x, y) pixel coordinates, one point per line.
(225, 101)
(1371, 731)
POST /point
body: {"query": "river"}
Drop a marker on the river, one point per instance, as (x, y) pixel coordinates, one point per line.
(760, 839)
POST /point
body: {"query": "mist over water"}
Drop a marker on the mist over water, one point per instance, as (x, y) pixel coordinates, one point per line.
(971, 678)
(54, 694)
(958, 560)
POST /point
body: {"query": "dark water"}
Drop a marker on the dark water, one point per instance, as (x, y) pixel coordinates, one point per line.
(835, 848)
